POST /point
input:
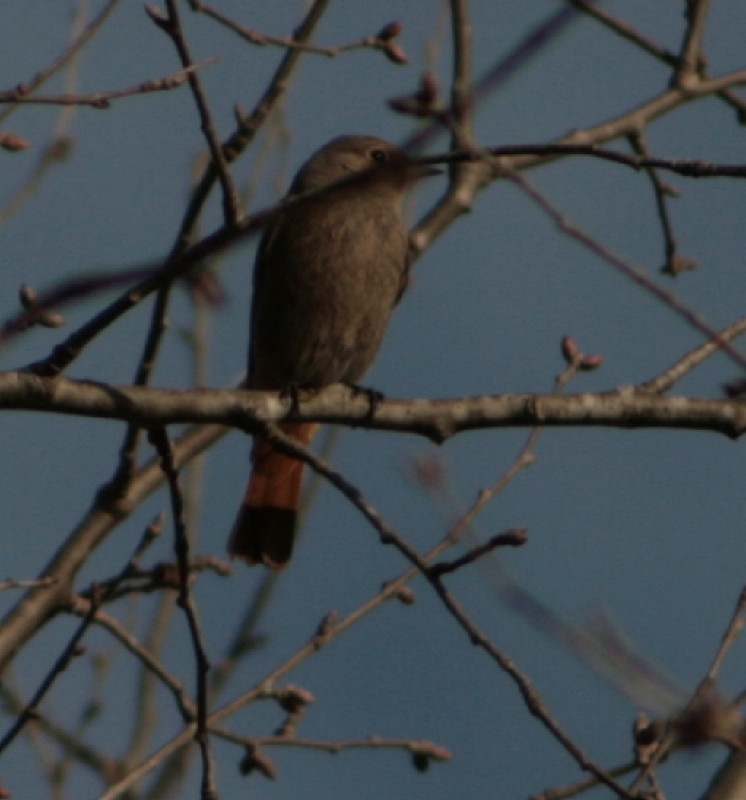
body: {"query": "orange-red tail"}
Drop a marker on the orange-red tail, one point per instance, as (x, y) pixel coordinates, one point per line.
(265, 527)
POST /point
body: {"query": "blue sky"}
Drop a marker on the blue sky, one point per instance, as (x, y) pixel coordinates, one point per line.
(645, 525)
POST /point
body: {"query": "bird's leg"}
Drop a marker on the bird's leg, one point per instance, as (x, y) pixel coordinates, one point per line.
(375, 398)
(292, 393)
(296, 392)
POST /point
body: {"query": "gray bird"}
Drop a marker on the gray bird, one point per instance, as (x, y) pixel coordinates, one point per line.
(327, 276)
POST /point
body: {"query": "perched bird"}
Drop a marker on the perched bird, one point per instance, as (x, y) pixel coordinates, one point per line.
(327, 275)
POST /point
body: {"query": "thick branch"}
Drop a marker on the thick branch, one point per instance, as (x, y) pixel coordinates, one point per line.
(626, 407)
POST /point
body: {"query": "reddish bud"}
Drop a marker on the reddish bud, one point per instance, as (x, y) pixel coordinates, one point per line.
(677, 264)
(395, 53)
(428, 470)
(423, 103)
(206, 289)
(51, 319)
(156, 15)
(406, 595)
(429, 89)
(255, 760)
(570, 350)
(390, 31)
(293, 698)
(589, 363)
(27, 296)
(735, 388)
(12, 143)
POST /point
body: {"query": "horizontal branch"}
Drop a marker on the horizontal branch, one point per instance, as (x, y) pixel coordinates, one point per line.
(438, 420)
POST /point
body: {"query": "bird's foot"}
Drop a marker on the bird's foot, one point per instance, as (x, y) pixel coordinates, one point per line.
(375, 398)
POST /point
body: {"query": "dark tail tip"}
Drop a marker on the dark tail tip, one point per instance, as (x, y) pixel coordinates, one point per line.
(263, 535)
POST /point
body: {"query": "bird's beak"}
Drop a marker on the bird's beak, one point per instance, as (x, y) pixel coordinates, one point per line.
(420, 170)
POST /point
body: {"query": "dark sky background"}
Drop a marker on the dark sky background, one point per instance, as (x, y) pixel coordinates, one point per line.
(645, 527)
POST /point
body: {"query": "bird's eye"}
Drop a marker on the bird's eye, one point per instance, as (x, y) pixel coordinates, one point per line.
(378, 155)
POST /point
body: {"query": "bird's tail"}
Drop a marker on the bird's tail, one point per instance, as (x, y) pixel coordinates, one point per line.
(265, 527)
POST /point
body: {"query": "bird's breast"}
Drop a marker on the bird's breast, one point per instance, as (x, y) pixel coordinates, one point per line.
(329, 281)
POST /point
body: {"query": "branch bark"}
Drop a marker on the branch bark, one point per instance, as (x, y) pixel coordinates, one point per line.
(626, 407)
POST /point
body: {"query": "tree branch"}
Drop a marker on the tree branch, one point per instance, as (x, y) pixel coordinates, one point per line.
(626, 407)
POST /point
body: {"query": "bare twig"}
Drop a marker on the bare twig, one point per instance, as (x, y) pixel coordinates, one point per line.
(102, 100)
(513, 538)
(466, 184)
(56, 152)
(669, 377)
(227, 236)
(84, 608)
(691, 57)
(630, 271)
(26, 584)
(443, 214)
(415, 747)
(689, 168)
(264, 688)
(389, 536)
(93, 27)
(27, 617)
(383, 41)
(575, 789)
(171, 25)
(160, 441)
(61, 663)
(674, 263)
(732, 632)
(249, 124)
(101, 763)
(705, 717)
(647, 45)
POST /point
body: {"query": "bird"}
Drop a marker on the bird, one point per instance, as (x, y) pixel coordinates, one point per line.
(328, 272)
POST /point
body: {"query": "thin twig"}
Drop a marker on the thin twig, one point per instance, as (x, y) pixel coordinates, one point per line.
(160, 441)
(703, 706)
(83, 607)
(389, 536)
(630, 271)
(383, 41)
(103, 765)
(691, 56)
(85, 36)
(26, 584)
(649, 46)
(227, 236)
(27, 617)
(61, 663)
(674, 262)
(263, 688)
(575, 789)
(515, 537)
(171, 25)
(102, 100)
(683, 366)
(248, 125)
(430, 750)
(732, 632)
(689, 168)
(461, 191)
